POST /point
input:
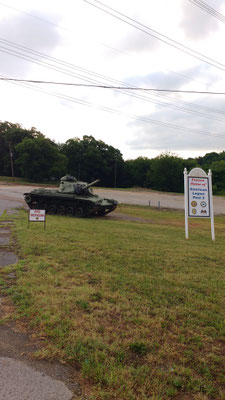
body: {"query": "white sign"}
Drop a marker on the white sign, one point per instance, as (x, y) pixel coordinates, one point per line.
(198, 197)
(37, 215)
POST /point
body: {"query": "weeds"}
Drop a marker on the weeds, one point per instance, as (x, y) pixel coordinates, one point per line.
(139, 310)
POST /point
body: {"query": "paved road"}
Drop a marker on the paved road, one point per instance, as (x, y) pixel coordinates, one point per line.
(19, 381)
(12, 196)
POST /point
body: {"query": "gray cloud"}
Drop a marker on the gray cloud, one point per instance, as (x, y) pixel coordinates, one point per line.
(176, 80)
(156, 137)
(197, 23)
(138, 42)
(28, 32)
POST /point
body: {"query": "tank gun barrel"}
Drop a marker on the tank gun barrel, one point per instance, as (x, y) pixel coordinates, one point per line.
(91, 184)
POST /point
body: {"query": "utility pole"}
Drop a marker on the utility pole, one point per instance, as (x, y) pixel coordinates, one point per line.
(115, 173)
(78, 171)
(11, 160)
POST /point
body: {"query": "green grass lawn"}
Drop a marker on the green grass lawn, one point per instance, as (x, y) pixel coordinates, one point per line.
(132, 305)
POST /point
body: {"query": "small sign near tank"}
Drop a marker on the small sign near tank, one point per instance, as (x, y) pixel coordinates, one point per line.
(37, 216)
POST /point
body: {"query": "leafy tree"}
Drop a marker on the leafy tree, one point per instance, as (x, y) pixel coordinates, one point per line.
(218, 175)
(222, 155)
(40, 159)
(136, 171)
(10, 136)
(89, 159)
(36, 157)
(72, 150)
(190, 163)
(208, 159)
(166, 173)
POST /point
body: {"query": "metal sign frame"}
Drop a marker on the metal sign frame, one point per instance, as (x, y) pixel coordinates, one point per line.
(43, 217)
(198, 199)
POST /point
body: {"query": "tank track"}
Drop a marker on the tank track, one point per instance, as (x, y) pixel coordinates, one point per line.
(64, 206)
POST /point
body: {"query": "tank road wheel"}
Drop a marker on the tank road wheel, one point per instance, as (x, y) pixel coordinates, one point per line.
(79, 212)
(70, 211)
(28, 199)
(43, 206)
(89, 208)
(52, 209)
(61, 210)
(101, 213)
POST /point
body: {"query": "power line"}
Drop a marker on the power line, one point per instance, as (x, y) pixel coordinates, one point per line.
(189, 104)
(111, 87)
(52, 63)
(51, 59)
(32, 16)
(56, 25)
(83, 77)
(205, 7)
(123, 114)
(118, 88)
(66, 29)
(93, 73)
(103, 44)
(157, 35)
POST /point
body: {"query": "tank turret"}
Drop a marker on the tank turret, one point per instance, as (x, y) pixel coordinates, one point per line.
(91, 184)
(73, 198)
(69, 184)
(84, 189)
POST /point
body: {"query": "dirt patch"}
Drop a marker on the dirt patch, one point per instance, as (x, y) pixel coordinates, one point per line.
(4, 240)
(4, 230)
(7, 258)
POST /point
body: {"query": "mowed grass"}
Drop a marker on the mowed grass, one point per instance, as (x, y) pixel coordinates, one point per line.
(130, 303)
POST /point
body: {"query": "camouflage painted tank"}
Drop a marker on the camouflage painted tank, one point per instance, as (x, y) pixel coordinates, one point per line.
(72, 198)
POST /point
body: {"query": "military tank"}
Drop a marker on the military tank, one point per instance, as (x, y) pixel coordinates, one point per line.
(73, 198)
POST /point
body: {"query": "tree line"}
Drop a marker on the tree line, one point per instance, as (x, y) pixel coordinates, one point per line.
(29, 154)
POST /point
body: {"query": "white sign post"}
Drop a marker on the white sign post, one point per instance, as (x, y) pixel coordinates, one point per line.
(37, 216)
(198, 197)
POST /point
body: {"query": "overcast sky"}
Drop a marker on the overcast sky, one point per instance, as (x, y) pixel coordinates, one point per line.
(163, 44)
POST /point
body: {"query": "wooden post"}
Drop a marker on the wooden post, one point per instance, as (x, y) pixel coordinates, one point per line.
(11, 160)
